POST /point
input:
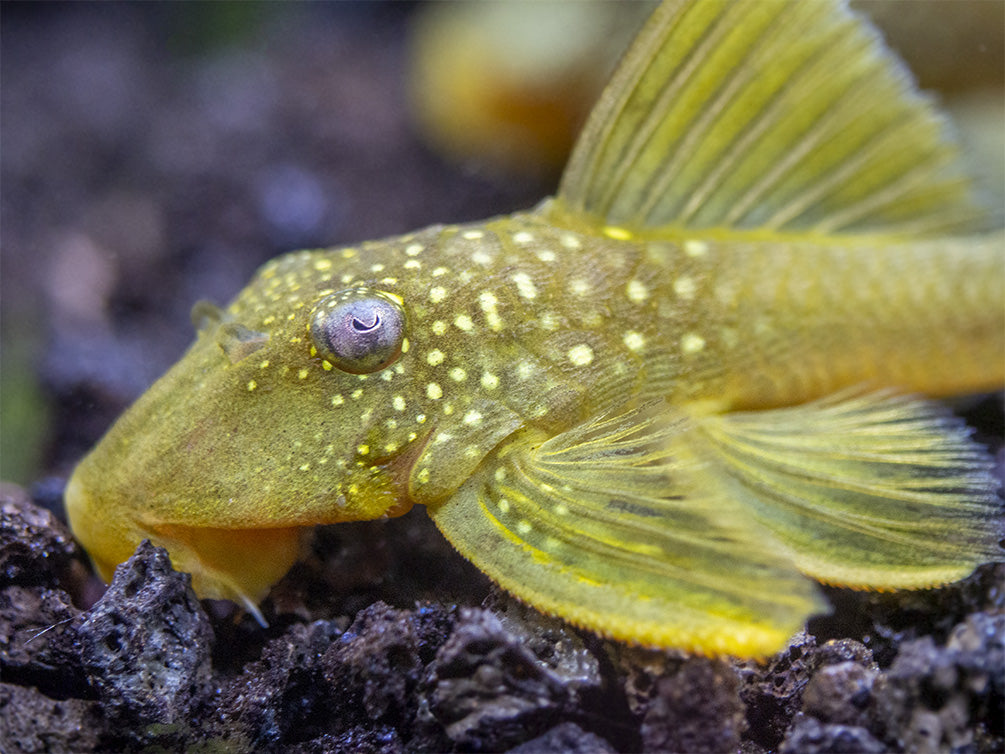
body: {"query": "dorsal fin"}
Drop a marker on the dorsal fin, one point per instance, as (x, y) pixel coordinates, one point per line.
(771, 116)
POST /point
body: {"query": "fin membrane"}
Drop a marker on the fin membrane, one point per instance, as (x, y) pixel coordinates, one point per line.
(615, 526)
(673, 530)
(875, 491)
(770, 115)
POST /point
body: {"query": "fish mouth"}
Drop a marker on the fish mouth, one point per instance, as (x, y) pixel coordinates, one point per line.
(238, 564)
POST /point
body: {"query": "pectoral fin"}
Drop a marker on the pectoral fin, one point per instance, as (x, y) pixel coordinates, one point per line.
(872, 491)
(619, 527)
(766, 116)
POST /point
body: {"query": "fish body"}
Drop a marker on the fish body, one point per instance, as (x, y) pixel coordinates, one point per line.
(648, 405)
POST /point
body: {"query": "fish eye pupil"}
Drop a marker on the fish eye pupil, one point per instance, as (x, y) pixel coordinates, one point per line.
(358, 330)
(361, 326)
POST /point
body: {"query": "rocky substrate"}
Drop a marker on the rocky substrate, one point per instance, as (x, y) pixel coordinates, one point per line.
(148, 666)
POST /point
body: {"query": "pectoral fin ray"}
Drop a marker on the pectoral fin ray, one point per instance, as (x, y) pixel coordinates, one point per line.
(618, 528)
(670, 527)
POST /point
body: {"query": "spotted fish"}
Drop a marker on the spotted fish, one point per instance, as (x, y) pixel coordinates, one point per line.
(663, 404)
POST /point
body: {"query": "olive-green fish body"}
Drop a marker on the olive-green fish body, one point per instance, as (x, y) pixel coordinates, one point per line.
(659, 404)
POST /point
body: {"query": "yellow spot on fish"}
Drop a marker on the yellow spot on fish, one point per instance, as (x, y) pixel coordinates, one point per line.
(438, 327)
(435, 357)
(487, 300)
(579, 287)
(523, 237)
(570, 241)
(695, 248)
(252, 385)
(423, 476)
(326, 365)
(264, 364)
(503, 505)
(637, 291)
(618, 234)
(440, 271)
(684, 287)
(434, 391)
(550, 321)
(357, 394)
(481, 257)
(398, 402)
(524, 285)
(546, 255)
(413, 249)
(634, 341)
(305, 466)
(302, 374)
(405, 345)
(338, 400)
(348, 253)
(463, 322)
(692, 343)
(457, 374)
(437, 294)
(489, 381)
(581, 355)
(523, 526)
(473, 418)
(363, 449)
(473, 235)
(412, 264)
(524, 369)
(391, 447)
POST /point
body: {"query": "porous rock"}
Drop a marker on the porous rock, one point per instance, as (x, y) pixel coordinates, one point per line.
(934, 698)
(840, 693)
(696, 709)
(145, 645)
(773, 692)
(36, 548)
(37, 629)
(382, 657)
(567, 738)
(279, 698)
(32, 723)
(810, 736)
(489, 690)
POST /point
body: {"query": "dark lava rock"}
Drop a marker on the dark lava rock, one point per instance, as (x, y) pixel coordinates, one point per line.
(810, 736)
(696, 709)
(773, 692)
(382, 656)
(281, 697)
(935, 698)
(840, 693)
(36, 548)
(146, 644)
(37, 629)
(489, 690)
(32, 723)
(567, 738)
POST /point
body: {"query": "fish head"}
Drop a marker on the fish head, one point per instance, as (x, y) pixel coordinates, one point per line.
(312, 398)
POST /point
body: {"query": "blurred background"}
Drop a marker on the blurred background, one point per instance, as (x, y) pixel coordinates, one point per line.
(153, 154)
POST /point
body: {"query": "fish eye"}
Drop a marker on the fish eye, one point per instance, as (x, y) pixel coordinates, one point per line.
(358, 330)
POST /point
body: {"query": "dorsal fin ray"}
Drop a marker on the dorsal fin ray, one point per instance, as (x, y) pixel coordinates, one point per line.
(772, 116)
